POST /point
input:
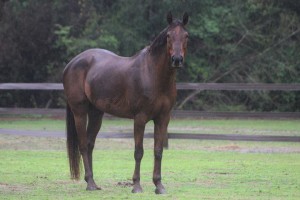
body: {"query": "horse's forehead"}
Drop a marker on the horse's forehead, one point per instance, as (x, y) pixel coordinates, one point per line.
(178, 30)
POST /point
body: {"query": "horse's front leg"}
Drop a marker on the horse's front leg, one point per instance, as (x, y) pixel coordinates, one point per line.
(139, 128)
(160, 130)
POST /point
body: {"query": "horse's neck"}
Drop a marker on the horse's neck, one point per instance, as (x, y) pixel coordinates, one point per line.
(164, 78)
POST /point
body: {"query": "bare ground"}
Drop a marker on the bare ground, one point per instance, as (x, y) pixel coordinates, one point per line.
(29, 142)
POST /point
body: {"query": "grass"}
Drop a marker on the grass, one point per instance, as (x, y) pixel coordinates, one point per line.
(37, 168)
(199, 175)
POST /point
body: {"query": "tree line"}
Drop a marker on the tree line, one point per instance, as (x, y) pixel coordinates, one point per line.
(230, 41)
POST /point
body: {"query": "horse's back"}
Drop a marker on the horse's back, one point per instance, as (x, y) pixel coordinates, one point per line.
(85, 59)
(81, 64)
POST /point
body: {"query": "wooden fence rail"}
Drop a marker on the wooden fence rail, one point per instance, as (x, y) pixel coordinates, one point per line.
(31, 86)
(180, 86)
(175, 113)
(181, 113)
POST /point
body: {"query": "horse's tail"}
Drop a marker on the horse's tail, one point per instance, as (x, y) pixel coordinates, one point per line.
(72, 144)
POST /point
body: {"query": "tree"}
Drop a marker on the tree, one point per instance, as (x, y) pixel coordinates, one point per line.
(230, 41)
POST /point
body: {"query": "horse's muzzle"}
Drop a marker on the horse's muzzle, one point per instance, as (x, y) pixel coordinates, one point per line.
(177, 61)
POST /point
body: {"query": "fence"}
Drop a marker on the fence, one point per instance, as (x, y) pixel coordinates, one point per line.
(175, 113)
(184, 114)
(180, 86)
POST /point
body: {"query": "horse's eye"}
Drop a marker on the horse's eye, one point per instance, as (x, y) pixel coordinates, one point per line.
(187, 36)
(168, 35)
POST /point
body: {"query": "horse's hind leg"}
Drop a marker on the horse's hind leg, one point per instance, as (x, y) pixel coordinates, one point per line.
(80, 116)
(94, 125)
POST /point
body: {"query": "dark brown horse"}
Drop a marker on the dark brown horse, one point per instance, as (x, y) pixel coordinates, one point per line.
(141, 87)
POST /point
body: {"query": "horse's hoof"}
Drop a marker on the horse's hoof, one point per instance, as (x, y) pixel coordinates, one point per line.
(160, 190)
(137, 189)
(93, 187)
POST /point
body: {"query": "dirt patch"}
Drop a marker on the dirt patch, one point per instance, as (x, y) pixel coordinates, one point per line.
(229, 148)
(271, 150)
(255, 149)
(17, 142)
(67, 182)
(7, 188)
(125, 184)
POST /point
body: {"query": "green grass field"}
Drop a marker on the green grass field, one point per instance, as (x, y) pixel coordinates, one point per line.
(37, 168)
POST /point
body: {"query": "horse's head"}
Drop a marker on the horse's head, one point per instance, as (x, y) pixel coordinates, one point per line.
(177, 37)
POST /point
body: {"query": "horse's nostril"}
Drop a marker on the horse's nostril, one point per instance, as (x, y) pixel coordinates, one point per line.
(173, 58)
(180, 59)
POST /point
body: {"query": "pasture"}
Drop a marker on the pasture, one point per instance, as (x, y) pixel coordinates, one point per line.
(37, 167)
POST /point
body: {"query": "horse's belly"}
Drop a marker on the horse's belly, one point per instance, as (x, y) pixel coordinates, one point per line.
(119, 108)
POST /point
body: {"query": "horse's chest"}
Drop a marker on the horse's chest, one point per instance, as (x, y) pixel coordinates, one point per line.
(165, 103)
(155, 105)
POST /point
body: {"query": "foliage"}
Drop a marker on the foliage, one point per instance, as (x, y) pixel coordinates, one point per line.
(230, 41)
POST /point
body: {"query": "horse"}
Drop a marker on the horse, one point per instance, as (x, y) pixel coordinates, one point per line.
(141, 87)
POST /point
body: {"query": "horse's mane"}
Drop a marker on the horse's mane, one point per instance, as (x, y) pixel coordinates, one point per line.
(161, 39)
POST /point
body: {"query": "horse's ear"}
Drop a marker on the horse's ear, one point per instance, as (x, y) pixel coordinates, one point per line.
(169, 17)
(185, 18)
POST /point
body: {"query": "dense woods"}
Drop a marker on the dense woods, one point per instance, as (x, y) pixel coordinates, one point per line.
(247, 41)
